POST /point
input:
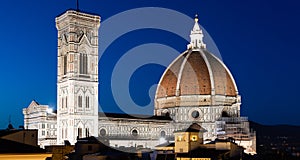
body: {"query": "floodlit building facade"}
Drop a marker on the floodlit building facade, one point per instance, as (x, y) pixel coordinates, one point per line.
(42, 118)
(77, 76)
(197, 87)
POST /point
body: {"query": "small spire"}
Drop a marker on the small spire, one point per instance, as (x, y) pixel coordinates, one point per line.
(10, 126)
(9, 119)
(196, 36)
(196, 18)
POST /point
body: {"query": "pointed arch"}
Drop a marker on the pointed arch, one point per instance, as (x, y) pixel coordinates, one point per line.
(79, 129)
(79, 98)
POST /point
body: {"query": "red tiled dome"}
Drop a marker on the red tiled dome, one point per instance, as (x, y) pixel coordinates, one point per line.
(196, 72)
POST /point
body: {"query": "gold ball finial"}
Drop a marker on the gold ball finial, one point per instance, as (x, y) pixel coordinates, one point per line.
(196, 18)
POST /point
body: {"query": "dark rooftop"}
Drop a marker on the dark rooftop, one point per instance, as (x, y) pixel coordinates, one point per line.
(166, 145)
(7, 146)
(192, 128)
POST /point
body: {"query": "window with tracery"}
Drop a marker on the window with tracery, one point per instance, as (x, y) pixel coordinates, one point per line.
(65, 63)
(87, 102)
(79, 134)
(80, 101)
(83, 61)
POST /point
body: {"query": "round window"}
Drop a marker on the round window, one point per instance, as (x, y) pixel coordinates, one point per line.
(195, 114)
(102, 132)
(134, 132)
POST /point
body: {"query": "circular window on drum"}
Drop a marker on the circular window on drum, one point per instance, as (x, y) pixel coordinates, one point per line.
(102, 132)
(134, 133)
(195, 114)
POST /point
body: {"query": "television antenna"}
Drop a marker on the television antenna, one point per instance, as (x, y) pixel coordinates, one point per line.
(77, 5)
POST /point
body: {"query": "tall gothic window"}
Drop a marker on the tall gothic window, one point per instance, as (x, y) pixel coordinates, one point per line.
(66, 133)
(87, 133)
(80, 101)
(87, 102)
(79, 133)
(62, 102)
(65, 64)
(83, 63)
(66, 105)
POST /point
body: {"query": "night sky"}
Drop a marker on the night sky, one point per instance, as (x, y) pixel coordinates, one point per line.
(258, 41)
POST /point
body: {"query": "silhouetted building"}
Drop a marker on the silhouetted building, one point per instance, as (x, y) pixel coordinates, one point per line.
(20, 144)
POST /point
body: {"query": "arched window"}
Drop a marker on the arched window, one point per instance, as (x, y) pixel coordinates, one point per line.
(87, 102)
(87, 132)
(79, 134)
(83, 63)
(80, 101)
(62, 102)
(225, 114)
(65, 63)
(167, 114)
(66, 105)
(66, 133)
(163, 134)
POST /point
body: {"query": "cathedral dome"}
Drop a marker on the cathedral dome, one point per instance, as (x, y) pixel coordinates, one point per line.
(196, 78)
(196, 73)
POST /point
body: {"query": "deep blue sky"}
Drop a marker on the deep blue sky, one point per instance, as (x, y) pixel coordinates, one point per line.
(258, 41)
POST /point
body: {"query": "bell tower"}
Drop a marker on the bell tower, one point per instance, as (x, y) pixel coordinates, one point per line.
(77, 76)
